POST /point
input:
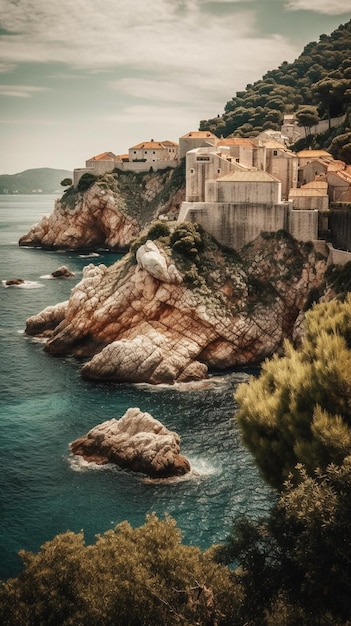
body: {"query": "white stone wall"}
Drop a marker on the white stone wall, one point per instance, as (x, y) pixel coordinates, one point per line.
(310, 203)
(303, 225)
(265, 192)
(235, 225)
(122, 165)
(338, 257)
(148, 155)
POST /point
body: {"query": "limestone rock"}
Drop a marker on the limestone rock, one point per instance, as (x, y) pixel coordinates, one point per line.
(150, 258)
(136, 441)
(96, 220)
(146, 322)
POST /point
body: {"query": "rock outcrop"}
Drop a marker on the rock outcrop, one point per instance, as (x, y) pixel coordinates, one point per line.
(94, 220)
(137, 441)
(62, 272)
(183, 306)
(109, 211)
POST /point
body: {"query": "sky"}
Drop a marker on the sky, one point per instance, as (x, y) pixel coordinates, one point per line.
(81, 77)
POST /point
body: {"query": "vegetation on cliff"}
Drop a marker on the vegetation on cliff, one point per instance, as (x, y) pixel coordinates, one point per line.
(141, 195)
(318, 80)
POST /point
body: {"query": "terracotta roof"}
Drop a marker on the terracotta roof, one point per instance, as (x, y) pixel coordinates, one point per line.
(148, 145)
(307, 193)
(251, 176)
(199, 134)
(313, 154)
(123, 157)
(104, 156)
(336, 166)
(167, 142)
(345, 176)
(315, 184)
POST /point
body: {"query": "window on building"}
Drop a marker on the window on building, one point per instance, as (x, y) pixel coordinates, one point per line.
(275, 152)
(192, 170)
(219, 170)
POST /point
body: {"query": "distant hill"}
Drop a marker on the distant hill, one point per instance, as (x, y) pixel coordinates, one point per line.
(40, 180)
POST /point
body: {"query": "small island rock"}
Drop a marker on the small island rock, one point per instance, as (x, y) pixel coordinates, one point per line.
(62, 272)
(137, 441)
(14, 282)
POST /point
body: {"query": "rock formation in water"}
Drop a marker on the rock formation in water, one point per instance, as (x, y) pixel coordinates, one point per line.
(137, 441)
(108, 211)
(178, 306)
(62, 272)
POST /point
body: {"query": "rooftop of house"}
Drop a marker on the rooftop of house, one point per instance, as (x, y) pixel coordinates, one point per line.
(149, 145)
(314, 154)
(336, 165)
(315, 184)
(199, 134)
(248, 176)
(307, 192)
(104, 156)
(342, 175)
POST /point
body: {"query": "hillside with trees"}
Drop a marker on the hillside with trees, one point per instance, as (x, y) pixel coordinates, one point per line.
(316, 86)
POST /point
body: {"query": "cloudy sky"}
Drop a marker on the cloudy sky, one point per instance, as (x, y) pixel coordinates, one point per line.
(81, 77)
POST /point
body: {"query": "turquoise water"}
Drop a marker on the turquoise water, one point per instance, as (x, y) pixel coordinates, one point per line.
(44, 404)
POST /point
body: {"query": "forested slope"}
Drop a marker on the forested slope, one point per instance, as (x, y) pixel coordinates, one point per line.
(320, 78)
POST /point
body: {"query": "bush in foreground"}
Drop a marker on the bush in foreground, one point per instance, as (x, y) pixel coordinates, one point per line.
(129, 577)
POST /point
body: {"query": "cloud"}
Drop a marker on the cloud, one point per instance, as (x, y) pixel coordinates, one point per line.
(326, 7)
(20, 91)
(172, 36)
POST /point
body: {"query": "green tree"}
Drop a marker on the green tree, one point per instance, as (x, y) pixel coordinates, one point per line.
(307, 117)
(299, 409)
(129, 577)
(295, 565)
(66, 182)
(341, 147)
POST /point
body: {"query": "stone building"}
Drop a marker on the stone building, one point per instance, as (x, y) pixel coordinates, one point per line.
(196, 139)
(152, 151)
(275, 158)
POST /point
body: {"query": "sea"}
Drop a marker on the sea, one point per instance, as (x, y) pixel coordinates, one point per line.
(45, 404)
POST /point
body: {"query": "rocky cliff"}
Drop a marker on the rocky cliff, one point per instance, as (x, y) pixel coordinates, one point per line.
(108, 211)
(178, 305)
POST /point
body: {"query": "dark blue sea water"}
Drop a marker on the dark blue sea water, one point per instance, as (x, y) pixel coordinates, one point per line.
(44, 404)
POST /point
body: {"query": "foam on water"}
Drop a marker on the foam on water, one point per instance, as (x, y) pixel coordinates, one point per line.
(27, 284)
